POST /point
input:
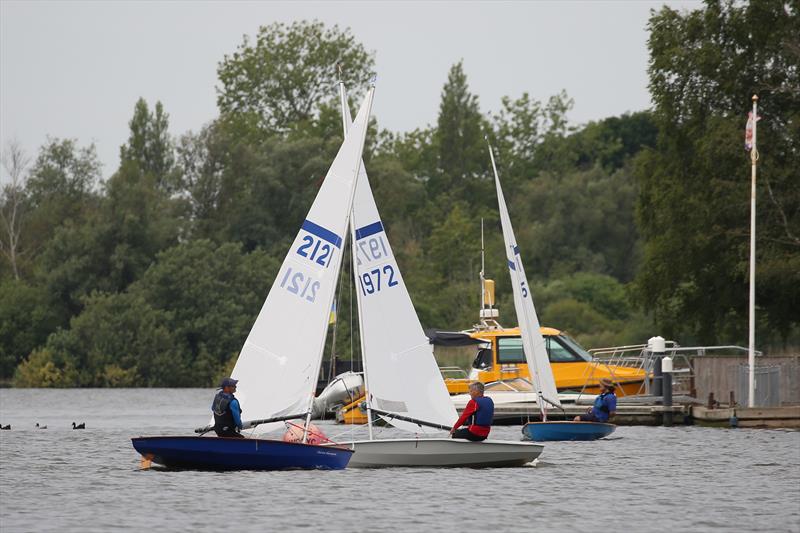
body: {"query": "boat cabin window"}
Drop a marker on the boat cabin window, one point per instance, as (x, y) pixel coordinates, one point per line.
(559, 350)
(483, 360)
(576, 348)
(509, 350)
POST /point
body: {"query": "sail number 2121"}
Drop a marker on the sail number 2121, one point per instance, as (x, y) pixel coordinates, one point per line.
(300, 284)
(315, 250)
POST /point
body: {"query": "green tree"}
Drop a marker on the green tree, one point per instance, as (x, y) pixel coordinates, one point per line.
(520, 129)
(459, 140)
(118, 242)
(27, 317)
(285, 75)
(209, 296)
(61, 190)
(118, 340)
(609, 143)
(693, 207)
(579, 221)
(63, 171)
(149, 143)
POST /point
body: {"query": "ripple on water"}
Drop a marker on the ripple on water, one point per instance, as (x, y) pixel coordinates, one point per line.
(644, 479)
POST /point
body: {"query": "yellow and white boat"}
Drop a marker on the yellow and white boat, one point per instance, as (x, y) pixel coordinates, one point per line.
(500, 361)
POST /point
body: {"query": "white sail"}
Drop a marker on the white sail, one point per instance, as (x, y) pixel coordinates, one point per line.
(402, 376)
(532, 341)
(279, 363)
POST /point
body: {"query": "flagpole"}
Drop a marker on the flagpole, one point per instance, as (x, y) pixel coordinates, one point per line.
(751, 359)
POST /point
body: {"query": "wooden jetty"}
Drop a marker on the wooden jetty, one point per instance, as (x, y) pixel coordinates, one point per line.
(748, 417)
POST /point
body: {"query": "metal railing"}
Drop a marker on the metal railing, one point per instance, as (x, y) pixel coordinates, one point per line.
(639, 356)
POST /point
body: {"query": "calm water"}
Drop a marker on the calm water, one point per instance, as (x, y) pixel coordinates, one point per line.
(642, 479)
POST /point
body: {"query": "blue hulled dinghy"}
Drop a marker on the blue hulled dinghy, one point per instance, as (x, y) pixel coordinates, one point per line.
(564, 430)
(226, 453)
(280, 361)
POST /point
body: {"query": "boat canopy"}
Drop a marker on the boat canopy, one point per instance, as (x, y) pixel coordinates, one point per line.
(451, 338)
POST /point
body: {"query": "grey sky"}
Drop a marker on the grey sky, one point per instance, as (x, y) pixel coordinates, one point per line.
(75, 69)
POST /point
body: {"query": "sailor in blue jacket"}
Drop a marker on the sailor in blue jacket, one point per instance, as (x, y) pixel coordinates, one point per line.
(605, 405)
(227, 412)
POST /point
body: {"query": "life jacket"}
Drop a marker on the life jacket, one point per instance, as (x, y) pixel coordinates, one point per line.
(485, 413)
(223, 416)
(600, 406)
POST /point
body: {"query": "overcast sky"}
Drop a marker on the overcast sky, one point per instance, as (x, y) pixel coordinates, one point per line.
(75, 69)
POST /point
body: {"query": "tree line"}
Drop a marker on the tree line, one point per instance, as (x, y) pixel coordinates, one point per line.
(629, 226)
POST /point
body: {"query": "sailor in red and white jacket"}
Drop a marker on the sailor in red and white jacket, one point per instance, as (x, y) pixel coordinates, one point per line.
(480, 411)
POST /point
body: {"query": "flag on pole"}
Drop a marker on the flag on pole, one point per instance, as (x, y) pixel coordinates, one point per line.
(748, 131)
(332, 319)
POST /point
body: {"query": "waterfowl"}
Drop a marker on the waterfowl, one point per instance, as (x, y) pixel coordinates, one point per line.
(7, 426)
(40, 427)
(82, 425)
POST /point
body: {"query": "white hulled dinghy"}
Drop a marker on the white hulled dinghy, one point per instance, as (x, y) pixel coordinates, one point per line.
(393, 344)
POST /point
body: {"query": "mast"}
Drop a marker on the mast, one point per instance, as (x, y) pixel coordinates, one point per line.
(483, 267)
(751, 359)
(354, 259)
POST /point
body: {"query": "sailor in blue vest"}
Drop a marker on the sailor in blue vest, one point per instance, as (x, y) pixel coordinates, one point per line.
(605, 405)
(227, 412)
(480, 411)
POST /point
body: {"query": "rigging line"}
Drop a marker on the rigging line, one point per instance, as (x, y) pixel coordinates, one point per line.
(350, 286)
(338, 302)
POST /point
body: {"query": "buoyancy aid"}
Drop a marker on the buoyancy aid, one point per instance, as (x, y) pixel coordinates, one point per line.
(485, 413)
(223, 416)
(601, 407)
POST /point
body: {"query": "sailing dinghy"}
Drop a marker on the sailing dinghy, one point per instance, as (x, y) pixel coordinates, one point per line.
(278, 366)
(534, 346)
(393, 344)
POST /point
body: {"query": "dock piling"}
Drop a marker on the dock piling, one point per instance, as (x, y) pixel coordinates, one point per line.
(658, 348)
(667, 397)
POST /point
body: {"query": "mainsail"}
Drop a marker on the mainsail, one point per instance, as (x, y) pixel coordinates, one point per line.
(532, 341)
(402, 376)
(279, 364)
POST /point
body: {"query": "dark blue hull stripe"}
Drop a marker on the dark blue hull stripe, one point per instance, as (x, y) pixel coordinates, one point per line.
(370, 229)
(511, 265)
(516, 250)
(322, 233)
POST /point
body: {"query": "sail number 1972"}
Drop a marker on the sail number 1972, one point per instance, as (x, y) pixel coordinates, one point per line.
(374, 280)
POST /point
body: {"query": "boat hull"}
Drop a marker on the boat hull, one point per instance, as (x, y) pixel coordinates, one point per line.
(441, 452)
(224, 453)
(561, 430)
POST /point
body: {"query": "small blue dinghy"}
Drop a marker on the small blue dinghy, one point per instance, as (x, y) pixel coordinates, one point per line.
(563, 430)
(225, 453)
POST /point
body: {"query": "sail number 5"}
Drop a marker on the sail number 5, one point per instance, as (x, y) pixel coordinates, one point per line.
(371, 281)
